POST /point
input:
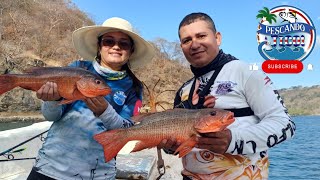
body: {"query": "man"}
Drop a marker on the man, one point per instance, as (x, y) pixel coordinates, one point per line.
(221, 81)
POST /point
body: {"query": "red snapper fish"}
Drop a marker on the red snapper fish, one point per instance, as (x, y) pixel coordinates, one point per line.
(183, 124)
(73, 83)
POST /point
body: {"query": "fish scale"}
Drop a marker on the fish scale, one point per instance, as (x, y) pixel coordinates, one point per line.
(72, 83)
(157, 127)
(182, 124)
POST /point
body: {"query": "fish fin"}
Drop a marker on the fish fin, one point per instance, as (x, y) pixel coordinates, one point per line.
(41, 70)
(29, 70)
(140, 117)
(143, 145)
(186, 146)
(6, 83)
(234, 172)
(34, 70)
(112, 142)
(66, 101)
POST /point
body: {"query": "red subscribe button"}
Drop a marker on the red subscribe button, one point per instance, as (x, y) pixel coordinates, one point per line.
(282, 66)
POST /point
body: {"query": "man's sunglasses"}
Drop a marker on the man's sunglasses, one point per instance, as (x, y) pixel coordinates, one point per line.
(110, 42)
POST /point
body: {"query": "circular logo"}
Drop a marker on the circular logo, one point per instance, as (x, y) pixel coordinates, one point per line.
(285, 33)
(119, 98)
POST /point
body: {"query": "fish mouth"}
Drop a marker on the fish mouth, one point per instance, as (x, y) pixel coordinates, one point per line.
(218, 124)
(108, 91)
(93, 93)
(230, 117)
(226, 118)
(105, 91)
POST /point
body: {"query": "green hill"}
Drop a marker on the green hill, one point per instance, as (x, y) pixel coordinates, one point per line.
(302, 100)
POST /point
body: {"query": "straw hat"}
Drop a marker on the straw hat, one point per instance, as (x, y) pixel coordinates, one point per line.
(85, 41)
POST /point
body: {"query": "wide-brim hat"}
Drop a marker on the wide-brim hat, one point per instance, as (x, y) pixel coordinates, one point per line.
(85, 41)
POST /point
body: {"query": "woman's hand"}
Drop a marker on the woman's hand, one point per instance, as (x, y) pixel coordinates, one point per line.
(48, 92)
(97, 105)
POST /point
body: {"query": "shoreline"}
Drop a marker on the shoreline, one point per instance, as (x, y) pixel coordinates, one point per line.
(35, 117)
(21, 117)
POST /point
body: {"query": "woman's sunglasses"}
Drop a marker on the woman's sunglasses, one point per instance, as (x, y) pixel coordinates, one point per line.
(110, 42)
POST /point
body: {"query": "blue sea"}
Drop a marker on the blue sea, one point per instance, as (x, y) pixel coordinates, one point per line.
(298, 158)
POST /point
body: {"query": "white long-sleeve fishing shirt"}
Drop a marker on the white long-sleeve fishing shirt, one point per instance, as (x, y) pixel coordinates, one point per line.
(238, 87)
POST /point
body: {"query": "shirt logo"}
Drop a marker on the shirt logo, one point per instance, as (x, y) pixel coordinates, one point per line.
(119, 98)
(267, 80)
(225, 87)
(284, 33)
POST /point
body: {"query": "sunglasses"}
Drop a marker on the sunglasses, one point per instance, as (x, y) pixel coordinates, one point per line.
(110, 42)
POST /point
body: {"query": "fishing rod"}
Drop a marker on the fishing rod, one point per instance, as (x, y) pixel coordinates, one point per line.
(17, 159)
(10, 156)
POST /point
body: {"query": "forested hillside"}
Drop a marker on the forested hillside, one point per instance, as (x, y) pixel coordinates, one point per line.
(38, 33)
(302, 100)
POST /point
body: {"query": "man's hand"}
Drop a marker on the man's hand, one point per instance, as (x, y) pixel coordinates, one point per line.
(48, 92)
(209, 100)
(169, 144)
(217, 142)
(97, 104)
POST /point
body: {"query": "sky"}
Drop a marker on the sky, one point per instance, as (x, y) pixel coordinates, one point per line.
(235, 20)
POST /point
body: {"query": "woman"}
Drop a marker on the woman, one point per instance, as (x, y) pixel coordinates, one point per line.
(70, 152)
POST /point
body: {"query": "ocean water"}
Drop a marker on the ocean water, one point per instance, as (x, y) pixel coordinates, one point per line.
(298, 158)
(13, 125)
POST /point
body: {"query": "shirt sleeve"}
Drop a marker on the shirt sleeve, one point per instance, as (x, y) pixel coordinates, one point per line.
(112, 120)
(52, 111)
(274, 124)
(76, 63)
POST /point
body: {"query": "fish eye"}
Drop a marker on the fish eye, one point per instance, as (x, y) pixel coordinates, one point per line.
(98, 81)
(213, 113)
(207, 155)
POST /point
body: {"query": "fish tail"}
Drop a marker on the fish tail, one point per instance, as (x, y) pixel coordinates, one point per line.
(112, 142)
(7, 82)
